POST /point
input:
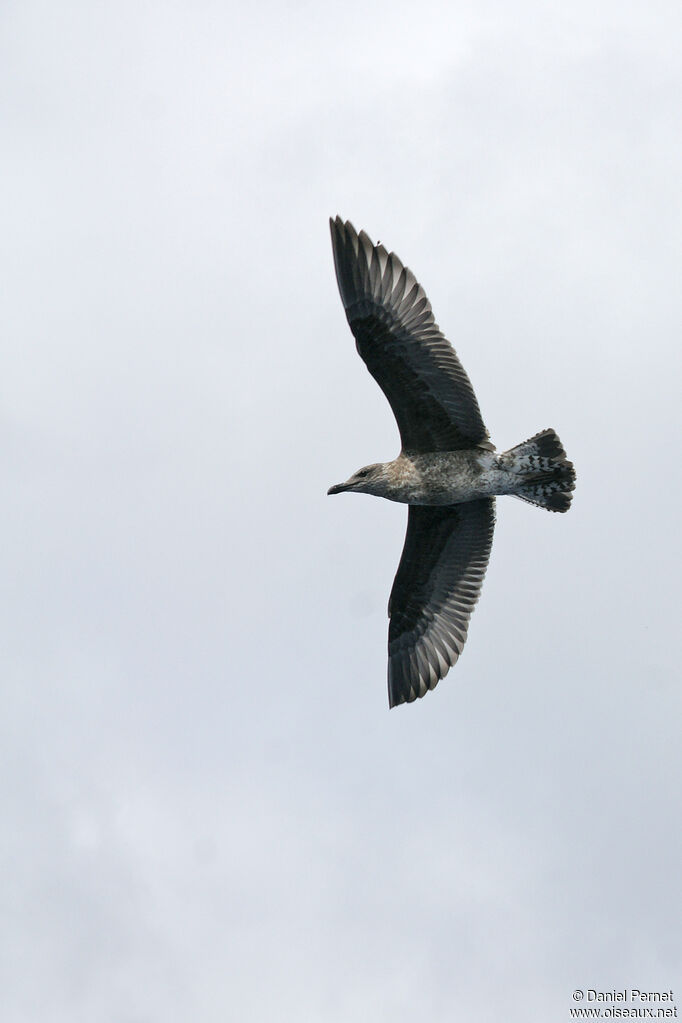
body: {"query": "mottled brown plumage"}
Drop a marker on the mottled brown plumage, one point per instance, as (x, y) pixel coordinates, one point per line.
(447, 471)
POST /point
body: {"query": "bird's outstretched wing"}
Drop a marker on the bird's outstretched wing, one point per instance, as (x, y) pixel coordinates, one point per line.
(397, 336)
(435, 590)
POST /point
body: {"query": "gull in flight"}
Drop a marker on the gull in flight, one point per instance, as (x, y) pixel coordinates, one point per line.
(447, 472)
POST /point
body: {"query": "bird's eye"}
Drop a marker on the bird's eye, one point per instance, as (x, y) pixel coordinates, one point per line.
(362, 473)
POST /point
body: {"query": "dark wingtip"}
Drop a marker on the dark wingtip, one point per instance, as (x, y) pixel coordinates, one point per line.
(337, 223)
(340, 227)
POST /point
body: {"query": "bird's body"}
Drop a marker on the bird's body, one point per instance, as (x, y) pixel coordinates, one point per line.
(441, 477)
(448, 471)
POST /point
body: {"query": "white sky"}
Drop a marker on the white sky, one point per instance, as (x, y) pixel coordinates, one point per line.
(208, 811)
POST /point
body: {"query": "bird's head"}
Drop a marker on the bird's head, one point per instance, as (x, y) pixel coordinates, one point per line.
(371, 479)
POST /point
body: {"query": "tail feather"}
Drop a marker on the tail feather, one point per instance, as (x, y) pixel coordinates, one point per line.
(545, 476)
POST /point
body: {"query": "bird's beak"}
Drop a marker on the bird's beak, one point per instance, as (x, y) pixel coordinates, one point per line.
(338, 488)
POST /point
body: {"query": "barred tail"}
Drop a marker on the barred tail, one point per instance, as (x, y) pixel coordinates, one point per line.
(545, 476)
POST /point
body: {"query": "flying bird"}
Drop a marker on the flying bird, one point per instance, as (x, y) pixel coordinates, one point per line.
(447, 472)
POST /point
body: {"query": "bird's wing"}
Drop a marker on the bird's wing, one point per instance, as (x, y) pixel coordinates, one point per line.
(397, 336)
(435, 590)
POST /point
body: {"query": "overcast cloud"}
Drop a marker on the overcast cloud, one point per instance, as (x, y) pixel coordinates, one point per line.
(209, 812)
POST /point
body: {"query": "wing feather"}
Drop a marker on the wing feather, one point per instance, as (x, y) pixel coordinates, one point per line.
(436, 588)
(406, 353)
